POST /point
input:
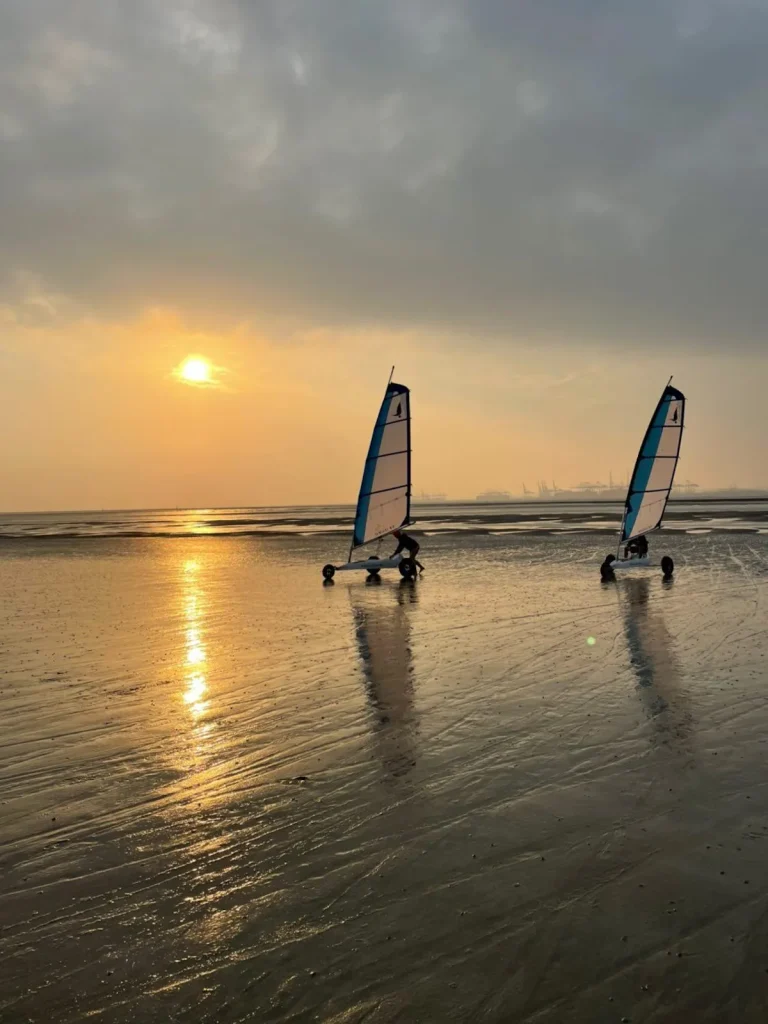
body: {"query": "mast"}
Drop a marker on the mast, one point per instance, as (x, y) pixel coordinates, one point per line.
(621, 530)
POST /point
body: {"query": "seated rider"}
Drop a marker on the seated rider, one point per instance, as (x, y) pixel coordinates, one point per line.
(406, 542)
(636, 548)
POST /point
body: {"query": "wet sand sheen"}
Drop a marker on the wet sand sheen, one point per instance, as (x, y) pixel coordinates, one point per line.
(231, 793)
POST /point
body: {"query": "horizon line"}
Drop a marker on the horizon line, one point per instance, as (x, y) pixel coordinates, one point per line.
(704, 495)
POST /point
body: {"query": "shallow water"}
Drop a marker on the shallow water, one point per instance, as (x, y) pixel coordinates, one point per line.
(232, 793)
(534, 517)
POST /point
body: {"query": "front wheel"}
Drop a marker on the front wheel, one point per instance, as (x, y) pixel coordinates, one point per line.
(407, 568)
(329, 571)
(667, 565)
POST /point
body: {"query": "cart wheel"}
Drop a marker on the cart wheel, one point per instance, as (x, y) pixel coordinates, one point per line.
(407, 569)
(329, 571)
(667, 566)
(606, 569)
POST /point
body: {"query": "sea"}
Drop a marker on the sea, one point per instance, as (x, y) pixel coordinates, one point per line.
(691, 516)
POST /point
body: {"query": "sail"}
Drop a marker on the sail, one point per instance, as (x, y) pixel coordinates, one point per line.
(655, 467)
(384, 503)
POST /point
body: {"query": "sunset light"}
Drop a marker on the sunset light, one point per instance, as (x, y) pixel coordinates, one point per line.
(383, 510)
(195, 370)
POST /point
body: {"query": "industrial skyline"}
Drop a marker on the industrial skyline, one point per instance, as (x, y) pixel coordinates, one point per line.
(614, 490)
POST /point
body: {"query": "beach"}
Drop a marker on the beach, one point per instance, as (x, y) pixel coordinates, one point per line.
(503, 792)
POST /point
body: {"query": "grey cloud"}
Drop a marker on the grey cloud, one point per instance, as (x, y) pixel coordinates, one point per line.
(567, 168)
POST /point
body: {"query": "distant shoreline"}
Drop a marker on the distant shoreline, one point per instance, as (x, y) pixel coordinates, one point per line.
(707, 498)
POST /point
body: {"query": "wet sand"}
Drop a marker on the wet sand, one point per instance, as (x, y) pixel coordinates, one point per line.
(230, 793)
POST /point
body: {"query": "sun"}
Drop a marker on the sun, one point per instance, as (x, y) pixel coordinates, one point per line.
(196, 370)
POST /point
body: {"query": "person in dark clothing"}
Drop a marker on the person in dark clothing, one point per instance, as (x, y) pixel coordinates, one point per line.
(607, 575)
(409, 544)
(637, 547)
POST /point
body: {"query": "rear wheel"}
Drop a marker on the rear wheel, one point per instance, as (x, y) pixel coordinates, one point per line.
(407, 568)
(329, 571)
(606, 569)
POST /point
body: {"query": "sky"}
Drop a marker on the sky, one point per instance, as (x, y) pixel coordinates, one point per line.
(538, 211)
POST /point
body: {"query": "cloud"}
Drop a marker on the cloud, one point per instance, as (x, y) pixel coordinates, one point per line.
(557, 169)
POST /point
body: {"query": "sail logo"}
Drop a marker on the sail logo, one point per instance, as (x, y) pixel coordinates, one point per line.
(399, 410)
(674, 418)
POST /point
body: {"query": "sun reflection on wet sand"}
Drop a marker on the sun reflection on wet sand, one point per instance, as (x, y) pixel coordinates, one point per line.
(195, 659)
(193, 695)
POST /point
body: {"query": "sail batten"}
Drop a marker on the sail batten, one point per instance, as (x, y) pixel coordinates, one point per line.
(384, 503)
(654, 470)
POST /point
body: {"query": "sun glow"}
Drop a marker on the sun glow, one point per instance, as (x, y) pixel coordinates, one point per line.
(195, 370)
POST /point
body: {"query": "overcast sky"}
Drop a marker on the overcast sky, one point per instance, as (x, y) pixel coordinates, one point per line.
(537, 209)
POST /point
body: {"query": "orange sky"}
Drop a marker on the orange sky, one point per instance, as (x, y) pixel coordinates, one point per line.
(98, 419)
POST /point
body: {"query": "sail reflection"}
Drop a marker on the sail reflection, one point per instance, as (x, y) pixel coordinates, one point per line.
(196, 685)
(382, 632)
(651, 654)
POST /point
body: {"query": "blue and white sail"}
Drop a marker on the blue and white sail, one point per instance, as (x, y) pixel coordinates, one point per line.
(384, 503)
(655, 468)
